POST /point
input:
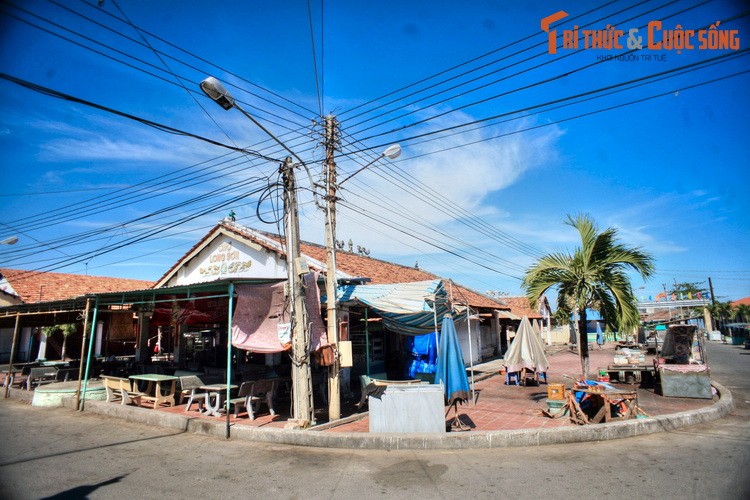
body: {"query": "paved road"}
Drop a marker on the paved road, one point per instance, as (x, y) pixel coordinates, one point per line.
(54, 453)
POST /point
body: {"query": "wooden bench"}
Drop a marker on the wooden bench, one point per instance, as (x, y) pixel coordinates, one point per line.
(252, 394)
(366, 380)
(41, 375)
(120, 390)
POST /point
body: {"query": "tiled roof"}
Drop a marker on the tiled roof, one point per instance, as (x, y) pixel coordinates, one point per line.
(381, 272)
(355, 265)
(35, 286)
(657, 316)
(745, 301)
(520, 307)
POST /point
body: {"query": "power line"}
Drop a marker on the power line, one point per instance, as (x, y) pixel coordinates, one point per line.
(410, 104)
(191, 54)
(556, 101)
(445, 71)
(165, 128)
(417, 236)
(140, 61)
(417, 189)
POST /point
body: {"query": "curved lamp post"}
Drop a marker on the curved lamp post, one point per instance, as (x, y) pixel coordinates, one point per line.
(9, 241)
(214, 89)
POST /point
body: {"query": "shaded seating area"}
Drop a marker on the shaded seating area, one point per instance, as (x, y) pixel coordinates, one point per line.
(525, 376)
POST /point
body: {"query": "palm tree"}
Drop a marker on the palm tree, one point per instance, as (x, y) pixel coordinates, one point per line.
(594, 276)
(743, 311)
(721, 311)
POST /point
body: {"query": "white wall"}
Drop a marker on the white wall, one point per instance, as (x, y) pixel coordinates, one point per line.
(463, 339)
(226, 257)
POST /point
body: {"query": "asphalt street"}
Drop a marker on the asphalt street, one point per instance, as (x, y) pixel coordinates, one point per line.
(57, 453)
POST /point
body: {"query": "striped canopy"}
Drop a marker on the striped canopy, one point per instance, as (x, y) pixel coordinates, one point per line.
(407, 308)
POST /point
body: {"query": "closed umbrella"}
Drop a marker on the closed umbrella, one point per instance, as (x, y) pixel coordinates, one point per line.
(450, 365)
(599, 335)
(526, 351)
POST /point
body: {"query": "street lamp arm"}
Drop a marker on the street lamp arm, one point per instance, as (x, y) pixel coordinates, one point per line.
(268, 132)
(392, 152)
(359, 170)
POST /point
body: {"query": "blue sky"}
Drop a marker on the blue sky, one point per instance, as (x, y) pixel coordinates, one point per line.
(654, 143)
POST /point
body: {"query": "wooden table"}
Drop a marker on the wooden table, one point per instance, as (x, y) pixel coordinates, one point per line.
(215, 394)
(154, 392)
(626, 400)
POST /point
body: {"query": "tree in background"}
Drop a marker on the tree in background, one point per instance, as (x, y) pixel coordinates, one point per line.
(742, 313)
(66, 329)
(689, 290)
(720, 312)
(594, 276)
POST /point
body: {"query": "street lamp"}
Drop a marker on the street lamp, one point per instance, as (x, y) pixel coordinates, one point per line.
(9, 241)
(214, 89)
(295, 265)
(391, 152)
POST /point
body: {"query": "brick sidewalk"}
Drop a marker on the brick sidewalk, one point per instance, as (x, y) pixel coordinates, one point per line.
(503, 407)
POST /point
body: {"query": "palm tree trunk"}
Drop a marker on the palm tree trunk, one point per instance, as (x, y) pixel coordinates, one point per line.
(583, 344)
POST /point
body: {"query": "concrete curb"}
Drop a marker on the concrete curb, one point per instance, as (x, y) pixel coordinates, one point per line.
(460, 440)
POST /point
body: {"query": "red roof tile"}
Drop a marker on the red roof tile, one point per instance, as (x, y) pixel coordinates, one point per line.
(36, 286)
(520, 306)
(355, 265)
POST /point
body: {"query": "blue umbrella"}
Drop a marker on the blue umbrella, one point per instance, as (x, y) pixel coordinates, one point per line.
(450, 365)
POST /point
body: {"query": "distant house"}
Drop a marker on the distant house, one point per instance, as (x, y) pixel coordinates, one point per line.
(47, 299)
(539, 314)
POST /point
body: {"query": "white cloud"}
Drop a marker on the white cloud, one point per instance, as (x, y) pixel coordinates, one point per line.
(459, 179)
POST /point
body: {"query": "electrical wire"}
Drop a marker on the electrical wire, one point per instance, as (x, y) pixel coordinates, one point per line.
(410, 104)
(191, 54)
(452, 68)
(164, 128)
(141, 62)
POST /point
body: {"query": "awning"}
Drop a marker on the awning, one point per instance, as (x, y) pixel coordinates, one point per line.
(507, 315)
(408, 308)
(262, 318)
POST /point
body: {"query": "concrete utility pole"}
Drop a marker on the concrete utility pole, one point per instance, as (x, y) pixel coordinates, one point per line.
(334, 389)
(296, 268)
